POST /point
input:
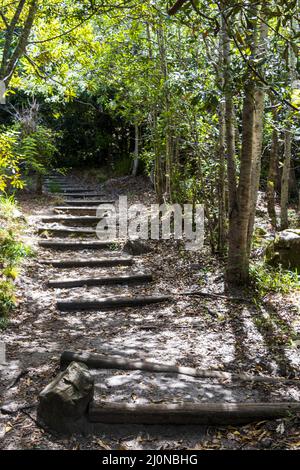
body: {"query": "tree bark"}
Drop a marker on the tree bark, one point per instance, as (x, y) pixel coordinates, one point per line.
(272, 177)
(136, 151)
(9, 64)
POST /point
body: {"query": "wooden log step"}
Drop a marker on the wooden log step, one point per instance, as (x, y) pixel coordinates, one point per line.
(98, 361)
(71, 220)
(101, 281)
(86, 202)
(65, 231)
(75, 244)
(81, 194)
(67, 190)
(188, 413)
(90, 263)
(109, 303)
(79, 211)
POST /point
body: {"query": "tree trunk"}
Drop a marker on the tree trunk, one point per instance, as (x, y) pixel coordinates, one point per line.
(259, 98)
(136, 151)
(285, 189)
(9, 63)
(272, 176)
(221, 156)
(284, 222)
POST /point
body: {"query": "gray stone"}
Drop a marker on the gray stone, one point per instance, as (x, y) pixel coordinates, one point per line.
(64, 402)
(285, 249)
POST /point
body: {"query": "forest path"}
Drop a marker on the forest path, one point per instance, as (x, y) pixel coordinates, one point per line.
(189, 332)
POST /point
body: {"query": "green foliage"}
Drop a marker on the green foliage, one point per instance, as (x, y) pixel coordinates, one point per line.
(7, 298)
(37, 147)
(9, 160)
(54, 187)
(121, 167)
(12, 252)
(266, 279)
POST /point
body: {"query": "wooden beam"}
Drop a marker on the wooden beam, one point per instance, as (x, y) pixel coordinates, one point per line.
(74, 245)
(189, 413)
(65, 231)
(101, 281)
(71, 220)
(97, 361)
(108, 303)
(90, 263)
(81, 194)
(86, 202)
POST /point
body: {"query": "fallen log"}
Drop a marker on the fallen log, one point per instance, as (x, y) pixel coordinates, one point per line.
(96, 361)
(108, 303)
(101, 281)
(187, 414)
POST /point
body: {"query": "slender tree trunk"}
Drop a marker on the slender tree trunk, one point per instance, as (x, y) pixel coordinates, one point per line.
(221, 155)
(285, 187)
(238, 254)
(9, 63)
(284, 199)
(136, 150)
(272, 177)
(259, 99)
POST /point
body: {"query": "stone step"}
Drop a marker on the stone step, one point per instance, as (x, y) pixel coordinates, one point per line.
(109, 303)
(101, 281)
(91, 263)
(76, 244)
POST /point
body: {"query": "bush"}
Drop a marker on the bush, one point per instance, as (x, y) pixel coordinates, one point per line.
(12, 252)
(266, 279)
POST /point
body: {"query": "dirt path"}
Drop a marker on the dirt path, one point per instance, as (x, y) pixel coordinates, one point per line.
(206, 333)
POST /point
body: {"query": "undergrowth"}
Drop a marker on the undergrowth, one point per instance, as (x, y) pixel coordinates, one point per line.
(266, 279)
(12, 252)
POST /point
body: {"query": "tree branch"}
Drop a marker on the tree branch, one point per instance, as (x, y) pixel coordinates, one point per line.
(176, 7)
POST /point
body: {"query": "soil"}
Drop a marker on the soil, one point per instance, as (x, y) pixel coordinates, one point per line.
(212, 333)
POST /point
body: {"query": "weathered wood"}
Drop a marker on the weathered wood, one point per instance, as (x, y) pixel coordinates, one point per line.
(188, 413)
(67, 220)
(90, 263)
(64, 402)
(79, 211)
(65, 231)
(101, 281)
(65, 189)
(81, 194)
(86, 202)
(109, 303)
(97, 361)
(74, 245)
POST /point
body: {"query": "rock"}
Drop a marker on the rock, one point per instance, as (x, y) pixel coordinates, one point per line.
(136, 247)
(64, 402)
(285, 249)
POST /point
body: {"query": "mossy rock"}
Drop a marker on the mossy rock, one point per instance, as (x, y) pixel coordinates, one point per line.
(285, 249)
